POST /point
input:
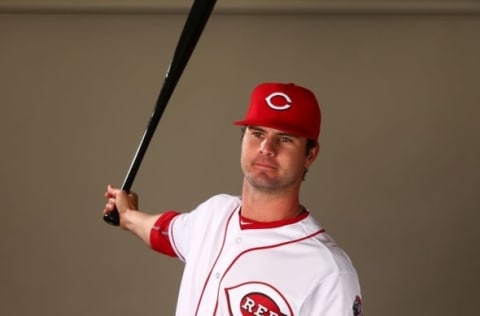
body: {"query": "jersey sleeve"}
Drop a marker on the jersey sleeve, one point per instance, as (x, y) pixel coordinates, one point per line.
(159, 238)
(338, 295)
(192, 232)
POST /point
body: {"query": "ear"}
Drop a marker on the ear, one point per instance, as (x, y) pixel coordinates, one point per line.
(312, 155)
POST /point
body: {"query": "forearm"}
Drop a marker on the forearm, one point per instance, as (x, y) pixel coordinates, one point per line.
(139, 224)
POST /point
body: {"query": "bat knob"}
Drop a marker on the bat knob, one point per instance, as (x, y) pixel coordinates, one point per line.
(112, 218)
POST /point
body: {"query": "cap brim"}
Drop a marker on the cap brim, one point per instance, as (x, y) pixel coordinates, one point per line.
(241, 123)
(275, 125)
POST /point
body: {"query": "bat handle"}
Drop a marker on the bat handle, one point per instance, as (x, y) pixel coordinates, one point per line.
(112, 217)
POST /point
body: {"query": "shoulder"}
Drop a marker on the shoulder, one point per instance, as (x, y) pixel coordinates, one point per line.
(215, 207)
(334, 259)
(335, 273)
(338, 260)
(224, 198)
(220, 201)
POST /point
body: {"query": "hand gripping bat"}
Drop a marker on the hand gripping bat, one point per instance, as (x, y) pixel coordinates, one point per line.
(194, 25)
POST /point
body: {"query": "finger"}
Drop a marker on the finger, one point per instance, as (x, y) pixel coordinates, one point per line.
(111, 191)
(107, 208)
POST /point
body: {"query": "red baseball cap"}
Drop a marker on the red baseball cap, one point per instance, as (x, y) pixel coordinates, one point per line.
(286, 107)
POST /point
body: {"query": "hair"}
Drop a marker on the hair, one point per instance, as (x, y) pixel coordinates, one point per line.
(310, 144)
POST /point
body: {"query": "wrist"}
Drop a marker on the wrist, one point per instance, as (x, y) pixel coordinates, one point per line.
(128, 219)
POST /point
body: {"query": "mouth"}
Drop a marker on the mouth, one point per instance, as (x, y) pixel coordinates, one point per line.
(264, 165)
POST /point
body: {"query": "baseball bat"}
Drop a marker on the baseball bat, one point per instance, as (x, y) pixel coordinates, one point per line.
(194, 25)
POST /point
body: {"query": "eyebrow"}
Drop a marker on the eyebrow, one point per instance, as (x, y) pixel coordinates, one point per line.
(257, 128)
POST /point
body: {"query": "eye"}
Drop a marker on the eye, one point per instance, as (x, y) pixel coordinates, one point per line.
(285, 139)
(257, 134)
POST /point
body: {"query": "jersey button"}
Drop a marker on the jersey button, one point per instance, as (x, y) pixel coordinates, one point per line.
(217, 275)
(238, 240)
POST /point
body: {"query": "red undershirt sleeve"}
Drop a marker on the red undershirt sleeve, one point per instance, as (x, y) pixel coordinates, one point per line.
(159, 240)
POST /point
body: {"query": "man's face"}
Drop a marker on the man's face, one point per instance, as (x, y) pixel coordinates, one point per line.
(273, 160)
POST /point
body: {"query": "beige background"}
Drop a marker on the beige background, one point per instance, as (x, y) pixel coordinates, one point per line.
(397, 181)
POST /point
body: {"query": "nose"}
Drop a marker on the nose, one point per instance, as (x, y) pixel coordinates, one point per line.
(267, 147)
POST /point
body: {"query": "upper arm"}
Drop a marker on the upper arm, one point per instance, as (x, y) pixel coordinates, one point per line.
(159, 234)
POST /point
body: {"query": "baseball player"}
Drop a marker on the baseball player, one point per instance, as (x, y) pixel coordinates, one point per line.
(261, 253)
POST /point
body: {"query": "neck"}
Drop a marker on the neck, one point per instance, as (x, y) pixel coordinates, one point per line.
(269, 206)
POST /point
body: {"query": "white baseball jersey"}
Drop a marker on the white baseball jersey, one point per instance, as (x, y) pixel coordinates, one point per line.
(284, 268)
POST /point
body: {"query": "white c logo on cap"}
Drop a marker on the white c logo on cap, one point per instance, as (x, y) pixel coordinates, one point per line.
(287, 105)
